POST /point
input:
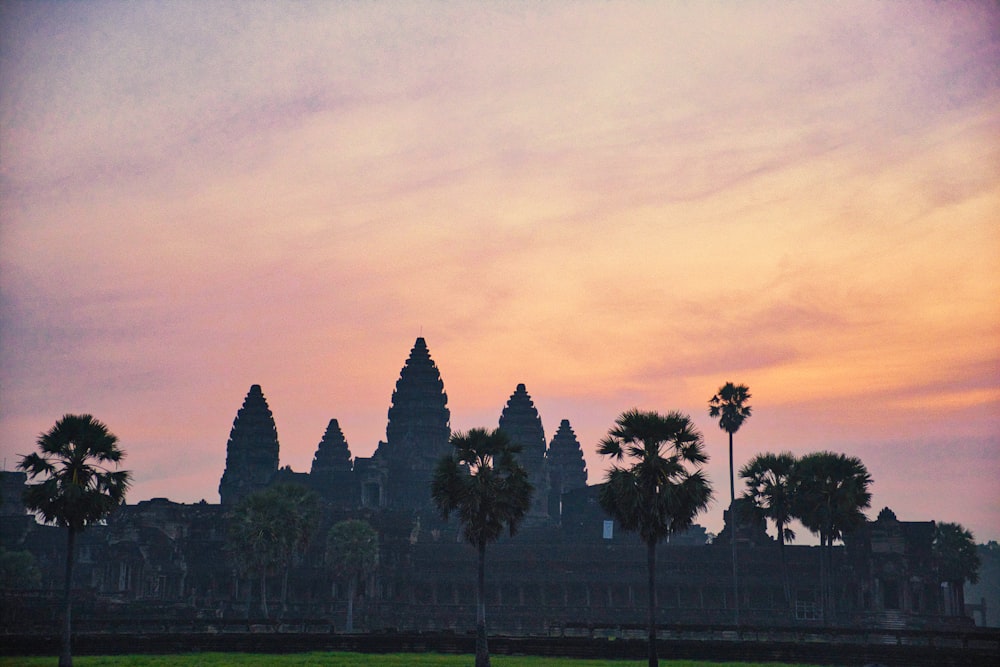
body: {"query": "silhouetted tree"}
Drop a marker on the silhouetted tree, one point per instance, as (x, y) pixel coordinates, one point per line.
(77, 488)
(729, 405)
(770, 487)
(252, 543)
(19, 570)
(269, 529)
(957, 561)
(352, 553)
(301, 509)
(660, 490)
(830, 496)
(485, 485)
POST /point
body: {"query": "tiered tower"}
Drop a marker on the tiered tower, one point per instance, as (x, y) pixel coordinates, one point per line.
(418, 431)
(520, 421)
(567, 469)
(252, 450)
(331, 473)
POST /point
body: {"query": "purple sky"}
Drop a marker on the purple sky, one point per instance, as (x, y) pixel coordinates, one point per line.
(620, 204)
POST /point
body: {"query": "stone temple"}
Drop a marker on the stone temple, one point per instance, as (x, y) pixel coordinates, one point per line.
(398, 474)
(252, 450)
(570, 565)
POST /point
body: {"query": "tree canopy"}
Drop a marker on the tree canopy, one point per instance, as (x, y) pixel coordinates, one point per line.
(956, 553)
(268, 528)
(76, 465)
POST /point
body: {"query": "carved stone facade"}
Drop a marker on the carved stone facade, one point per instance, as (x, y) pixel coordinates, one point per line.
(332, 474)
(567, 469)
(418, 430)
(522, 424)
(160, 559)
(252, 450)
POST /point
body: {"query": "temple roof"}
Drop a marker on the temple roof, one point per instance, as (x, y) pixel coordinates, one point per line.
(419, 401)
(252, 450)
(333, 453)
(566, 457)
(520, 421)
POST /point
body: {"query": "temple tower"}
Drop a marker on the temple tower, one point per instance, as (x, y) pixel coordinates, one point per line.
(331, 473)
(520, 421)
(567, 469)
(418, 431)
(252, 450)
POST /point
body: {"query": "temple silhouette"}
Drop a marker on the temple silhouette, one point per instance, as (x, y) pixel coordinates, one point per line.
(569, 567)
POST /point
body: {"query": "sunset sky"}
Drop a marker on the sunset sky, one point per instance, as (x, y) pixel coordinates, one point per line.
(619, 204)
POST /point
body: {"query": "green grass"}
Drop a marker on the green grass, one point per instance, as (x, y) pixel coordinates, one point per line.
(352, 660)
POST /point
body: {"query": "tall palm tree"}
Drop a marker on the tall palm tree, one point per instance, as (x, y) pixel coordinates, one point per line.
(352, 552)
(80, 484)
(484, 484)
(830, 496)
(769, 480)
(729, 405)
(660, 490)
(957, 561)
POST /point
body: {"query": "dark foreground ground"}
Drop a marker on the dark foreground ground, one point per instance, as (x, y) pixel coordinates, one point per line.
(958, 650)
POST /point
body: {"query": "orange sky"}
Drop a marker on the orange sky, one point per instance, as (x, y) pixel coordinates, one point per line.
(619, 204)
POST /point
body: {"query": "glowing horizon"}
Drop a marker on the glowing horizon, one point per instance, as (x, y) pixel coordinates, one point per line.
(620, 205)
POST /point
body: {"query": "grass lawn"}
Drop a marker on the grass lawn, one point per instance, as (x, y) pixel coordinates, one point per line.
(351, 660)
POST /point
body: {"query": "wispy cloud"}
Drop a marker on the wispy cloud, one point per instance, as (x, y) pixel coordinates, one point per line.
(616, 203)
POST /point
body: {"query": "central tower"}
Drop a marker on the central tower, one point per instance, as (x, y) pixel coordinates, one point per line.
(252, 450)
(418, 430)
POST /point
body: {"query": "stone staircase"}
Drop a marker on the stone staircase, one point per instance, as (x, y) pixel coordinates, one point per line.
(891, 620)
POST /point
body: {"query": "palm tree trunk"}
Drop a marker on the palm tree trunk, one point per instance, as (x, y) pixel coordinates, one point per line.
(822, 577)
(784, 567)
(832, 579)
(732, 534)
(736, 577)
(352, 590)
(732, 479)
(249, 596)
(654, 660)
(482, 647)
(66, 654)
(263, 595)
(284, 590)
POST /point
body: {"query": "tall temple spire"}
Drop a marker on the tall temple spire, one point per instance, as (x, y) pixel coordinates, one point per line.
(418, 429)
(567, 469)
(333, 453)
(331, 468)
(252, 450)
(520, 421)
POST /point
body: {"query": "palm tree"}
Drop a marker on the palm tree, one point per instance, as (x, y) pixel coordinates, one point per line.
(769, 480)
(957, 560)
(352, 552)
(299, 511)
(252, 543)
(729, 405)
(77, 488)
(269, 529)
(661, 489)
(485, 485)
(830, 496)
